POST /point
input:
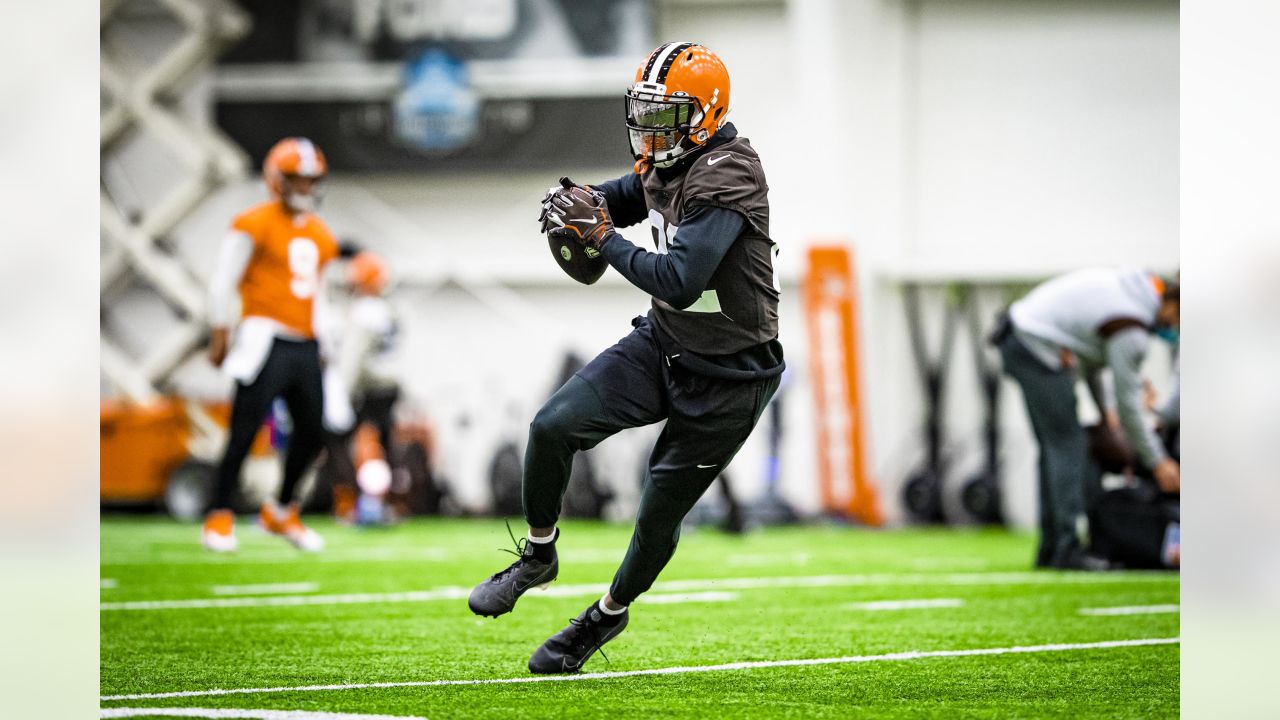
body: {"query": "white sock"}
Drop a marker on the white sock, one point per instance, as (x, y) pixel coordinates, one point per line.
(543, 540)
(605, 609)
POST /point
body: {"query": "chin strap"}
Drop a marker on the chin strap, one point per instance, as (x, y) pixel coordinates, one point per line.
(642, 165)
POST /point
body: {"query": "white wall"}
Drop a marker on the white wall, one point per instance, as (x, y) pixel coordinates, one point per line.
(1046, 135)
(941, 139)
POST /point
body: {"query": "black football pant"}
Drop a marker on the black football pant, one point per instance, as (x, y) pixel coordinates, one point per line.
(378, 407)
(292, 372)
(1050, 396)
(630, 385)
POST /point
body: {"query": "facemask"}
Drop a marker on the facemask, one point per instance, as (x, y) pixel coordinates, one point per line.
(302, 203)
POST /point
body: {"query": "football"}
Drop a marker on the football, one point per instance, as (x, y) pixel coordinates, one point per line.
(580, 262)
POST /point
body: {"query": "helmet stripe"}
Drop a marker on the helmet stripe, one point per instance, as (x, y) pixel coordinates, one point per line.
(653, 60)
(664, 65)
(309, 165)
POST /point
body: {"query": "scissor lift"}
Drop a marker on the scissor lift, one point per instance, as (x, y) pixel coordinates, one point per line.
(142, 94)
(145, 82)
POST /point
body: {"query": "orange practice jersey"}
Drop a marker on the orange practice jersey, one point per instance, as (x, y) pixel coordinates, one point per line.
(283, 274)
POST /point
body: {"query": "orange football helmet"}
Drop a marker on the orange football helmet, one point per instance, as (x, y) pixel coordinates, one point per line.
(367, 272)
(679, 99)
(295, 157)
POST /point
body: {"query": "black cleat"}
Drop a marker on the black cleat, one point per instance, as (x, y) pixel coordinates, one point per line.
(498, 594)
(569, 649)
(1089, 562)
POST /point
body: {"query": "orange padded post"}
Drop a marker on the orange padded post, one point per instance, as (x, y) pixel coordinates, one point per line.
(830, 299)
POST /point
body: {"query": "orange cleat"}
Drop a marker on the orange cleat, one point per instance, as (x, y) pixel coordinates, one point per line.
(286, 523)
(218, 534)
(344, 504)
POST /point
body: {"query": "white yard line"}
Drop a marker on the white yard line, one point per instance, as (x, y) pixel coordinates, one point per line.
(448, 593)
(877, 579)
(245, 714)
(674, 586)
(679, 670)
(276, 556)
(922, 604)
(1130, 610)
(266, 588)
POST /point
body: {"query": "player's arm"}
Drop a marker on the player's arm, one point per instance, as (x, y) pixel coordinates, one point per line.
(1125, 352)
(1103, 395)
(233, 258)
(355, 348)
(678, 276)
(625, 199)
(1169, 411)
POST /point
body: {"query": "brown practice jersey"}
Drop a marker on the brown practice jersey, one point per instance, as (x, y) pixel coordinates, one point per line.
(739, 307)
(283, 274)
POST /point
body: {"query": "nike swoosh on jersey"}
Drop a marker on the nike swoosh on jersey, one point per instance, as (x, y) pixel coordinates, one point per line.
(704, 467)
(713, 161)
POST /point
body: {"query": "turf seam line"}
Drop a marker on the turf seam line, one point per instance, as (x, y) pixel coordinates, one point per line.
(1130, 610)
(676, 670)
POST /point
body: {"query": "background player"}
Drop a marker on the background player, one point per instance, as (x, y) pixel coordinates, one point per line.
(275, 254)
(362, 388)
(706, 358)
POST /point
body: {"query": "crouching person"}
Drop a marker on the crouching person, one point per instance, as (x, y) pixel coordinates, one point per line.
(1072, 326)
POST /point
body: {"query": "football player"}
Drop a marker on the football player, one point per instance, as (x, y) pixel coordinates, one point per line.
(706, 357)
(370, 338)
(362, 386)
(275, 255)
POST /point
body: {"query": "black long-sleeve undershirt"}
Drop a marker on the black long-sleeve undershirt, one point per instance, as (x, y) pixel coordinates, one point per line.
(679, 276)
(625, 198)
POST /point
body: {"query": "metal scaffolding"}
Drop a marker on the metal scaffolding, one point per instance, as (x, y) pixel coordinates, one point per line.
(143, 95)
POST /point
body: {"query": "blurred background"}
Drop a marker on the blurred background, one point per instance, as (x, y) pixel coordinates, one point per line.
(951, 153)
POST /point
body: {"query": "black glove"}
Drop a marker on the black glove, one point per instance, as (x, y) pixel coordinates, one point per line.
(577, 213)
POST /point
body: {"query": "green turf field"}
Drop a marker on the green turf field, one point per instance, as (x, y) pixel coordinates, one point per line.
(389, 607)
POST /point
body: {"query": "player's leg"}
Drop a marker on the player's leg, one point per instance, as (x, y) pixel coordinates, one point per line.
(1067, 467)
(709, 422)
(620, 388)
(304, 396)
(248, 409)
(342, 472)
(705, 432)
(1051, 405)
(378, 407)
(574, 418)
(1044, 550)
